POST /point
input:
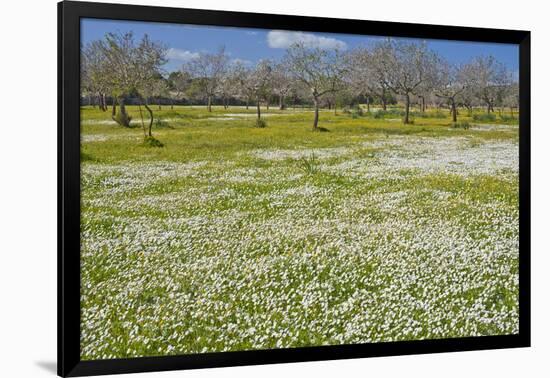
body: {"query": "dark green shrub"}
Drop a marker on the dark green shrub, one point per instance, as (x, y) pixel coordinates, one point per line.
(437, 114)
(150, 141)
(391, 113)
(485, 117)
(507, 118)
(460, 125)
(355, 111)
(260, 122)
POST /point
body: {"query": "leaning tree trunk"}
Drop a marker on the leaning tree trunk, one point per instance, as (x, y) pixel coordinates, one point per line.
(316, 117)
(122, 117)
(407, 106)
(142, 121)
(150, 128)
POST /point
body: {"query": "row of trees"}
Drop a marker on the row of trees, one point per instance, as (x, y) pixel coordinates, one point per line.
(118, 67)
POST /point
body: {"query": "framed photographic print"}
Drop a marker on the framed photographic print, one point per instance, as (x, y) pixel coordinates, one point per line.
(239, 188)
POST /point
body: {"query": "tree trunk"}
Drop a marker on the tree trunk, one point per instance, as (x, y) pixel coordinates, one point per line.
(246, 104)
(142, 122)
(453, 108)
(104, 102)
(209, 106)
(150, 131)
(122, 110)
(368, 105)
(407, 106)
(122, 119)
(423, 104)
(281, 102)
(316, 117)
(258, 110)
(113, 112)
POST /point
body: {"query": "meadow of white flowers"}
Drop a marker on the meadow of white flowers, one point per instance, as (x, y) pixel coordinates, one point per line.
(400, 237)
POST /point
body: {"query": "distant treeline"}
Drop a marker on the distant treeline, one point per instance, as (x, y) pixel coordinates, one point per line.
(118, 70)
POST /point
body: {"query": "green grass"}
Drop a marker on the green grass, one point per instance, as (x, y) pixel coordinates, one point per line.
(234, 237)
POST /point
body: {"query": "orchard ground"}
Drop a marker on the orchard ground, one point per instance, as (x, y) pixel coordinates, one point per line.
(233, 237)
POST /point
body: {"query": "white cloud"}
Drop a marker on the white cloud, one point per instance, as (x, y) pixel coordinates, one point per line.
(280, 39)
(181, 55)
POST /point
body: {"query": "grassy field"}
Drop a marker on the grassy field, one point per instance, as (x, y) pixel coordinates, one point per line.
(232, 237)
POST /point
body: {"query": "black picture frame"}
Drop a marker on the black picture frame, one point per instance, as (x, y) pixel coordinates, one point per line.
(69, 15)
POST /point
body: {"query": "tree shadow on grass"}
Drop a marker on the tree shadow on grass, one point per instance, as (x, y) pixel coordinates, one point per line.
(321, 130)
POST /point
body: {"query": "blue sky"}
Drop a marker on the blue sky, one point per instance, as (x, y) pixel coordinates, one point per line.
(250, 45)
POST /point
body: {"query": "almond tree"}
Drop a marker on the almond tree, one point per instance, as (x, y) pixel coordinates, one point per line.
(229, 84)
(511, 99)
(255, 84)
(159, 89)
(178, 82)
(450, 83)
(150, 57)
(282, 84)
(407, 68)
(93, 75)
(366, 74)
(490, 78)
(208, 71)
(119, 62)
(320, 71)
